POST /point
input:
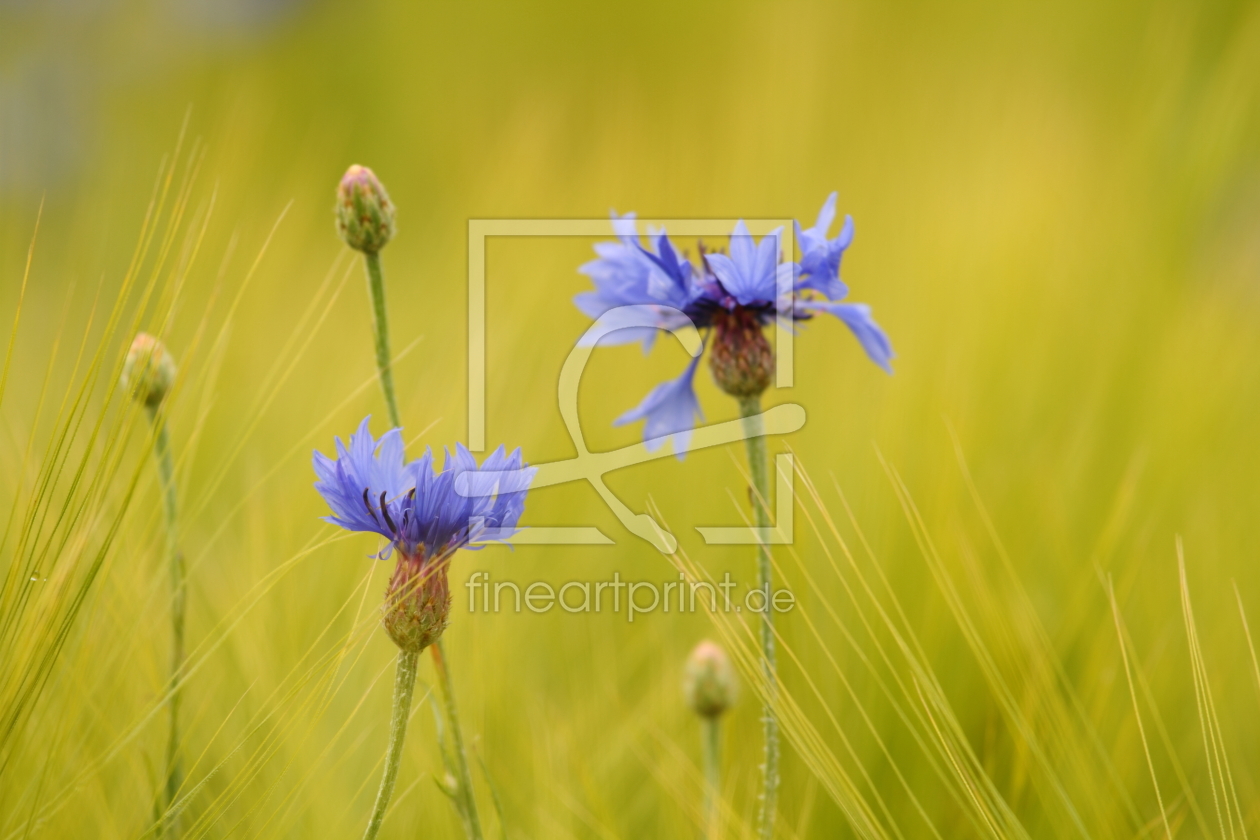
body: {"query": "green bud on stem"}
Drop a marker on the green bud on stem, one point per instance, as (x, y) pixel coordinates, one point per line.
(709, 680)
(365, 215)
(149, 371)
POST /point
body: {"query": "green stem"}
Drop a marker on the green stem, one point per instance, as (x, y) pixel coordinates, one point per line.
(472, 822)
(380, 330)
(169, 826)
(404, 687)
(758, 466)
(712, 745)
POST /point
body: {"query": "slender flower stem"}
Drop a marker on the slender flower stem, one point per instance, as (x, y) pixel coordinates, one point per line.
(472, 820)
(169, 826)
(380, 330)
(712, 746)
(404, 687)
(758, 466)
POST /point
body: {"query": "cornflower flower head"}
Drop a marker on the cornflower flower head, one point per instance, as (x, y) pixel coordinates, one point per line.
(731, 298)
(426, 514)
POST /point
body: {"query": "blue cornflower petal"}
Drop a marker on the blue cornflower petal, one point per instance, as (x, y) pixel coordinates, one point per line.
(626, 227)
(355, 475)
(671, 409)
(615, 324)
(497, 491)
(820, 257)
(748, 274)
(857, 317)
(669, 278)
(627, 274)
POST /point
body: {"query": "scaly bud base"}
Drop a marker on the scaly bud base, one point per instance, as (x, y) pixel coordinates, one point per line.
(418, 602)
(742, 360)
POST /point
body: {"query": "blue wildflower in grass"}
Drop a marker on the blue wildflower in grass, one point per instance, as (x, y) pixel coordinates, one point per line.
(427, 528)
(731, 297)
(425, 516)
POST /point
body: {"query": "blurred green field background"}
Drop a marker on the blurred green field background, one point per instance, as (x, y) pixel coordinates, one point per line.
(1058, 223)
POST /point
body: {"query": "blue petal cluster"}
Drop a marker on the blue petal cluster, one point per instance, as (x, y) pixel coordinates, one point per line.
(752, 276)
(670, 410)
(371, 487)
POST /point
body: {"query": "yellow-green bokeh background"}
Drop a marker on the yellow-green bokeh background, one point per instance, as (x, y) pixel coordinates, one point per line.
(1058, 223)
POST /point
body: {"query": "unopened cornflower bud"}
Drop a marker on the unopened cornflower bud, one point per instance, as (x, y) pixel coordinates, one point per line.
(365, 215)
(742, 360)
(709, 680)
(149, 371)
(450, 784)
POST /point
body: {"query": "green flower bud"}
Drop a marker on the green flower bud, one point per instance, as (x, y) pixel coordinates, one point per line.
(742, 360)
(365, 215)
(149, 371)
(418, 601)
(709, 680)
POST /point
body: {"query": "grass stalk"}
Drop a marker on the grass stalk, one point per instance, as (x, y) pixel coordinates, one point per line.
(466, 800)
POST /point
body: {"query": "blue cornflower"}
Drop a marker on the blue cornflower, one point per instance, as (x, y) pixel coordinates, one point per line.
(425, 515)
(731, 297)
